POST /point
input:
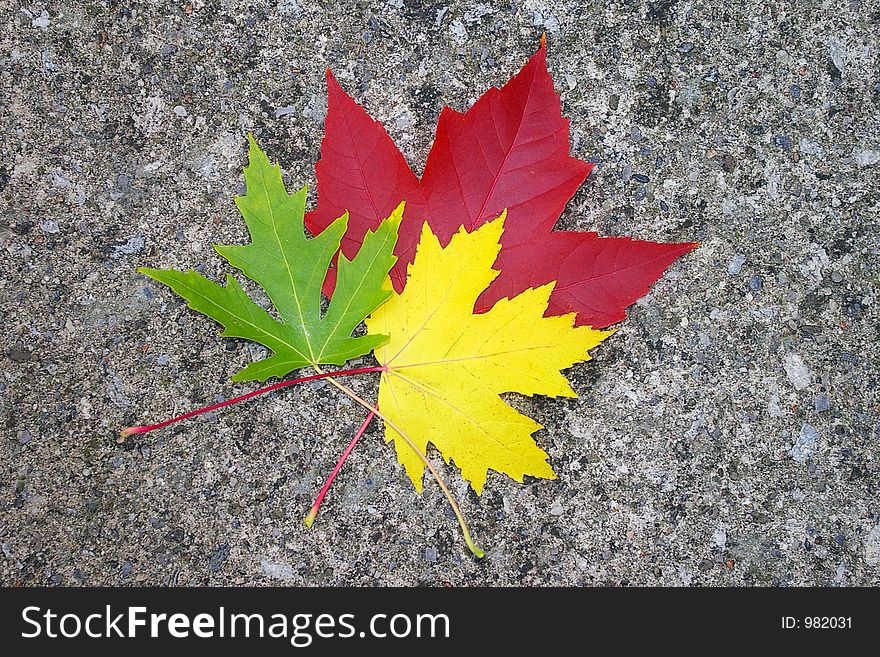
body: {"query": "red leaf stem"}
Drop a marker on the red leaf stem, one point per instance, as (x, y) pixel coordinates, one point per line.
(313, 513)
(213, 407)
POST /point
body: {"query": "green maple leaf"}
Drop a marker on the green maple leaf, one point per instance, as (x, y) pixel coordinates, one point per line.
(290, 267)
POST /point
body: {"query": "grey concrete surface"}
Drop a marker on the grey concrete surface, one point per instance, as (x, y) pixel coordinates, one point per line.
(727, 434)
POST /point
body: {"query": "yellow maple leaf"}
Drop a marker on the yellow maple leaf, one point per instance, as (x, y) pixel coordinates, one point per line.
(446, 366)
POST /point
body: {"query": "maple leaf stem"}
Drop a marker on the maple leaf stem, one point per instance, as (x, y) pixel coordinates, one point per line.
(440, 482)
(213, 407)
(313, 513)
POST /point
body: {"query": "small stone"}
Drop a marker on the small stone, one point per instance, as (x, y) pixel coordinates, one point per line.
(635, 133)
(810, 147)
(284, 111)
(774, 407)
(865, 157)
(756, 283)
(837, 54)
(783, 142)
(706, 565)
(50, 226)
(735, 266)
(431, 555)
(180, 110)
(821, 403)
(714, 76)
(459, 33)
(728, 162)
(872, 547)
(626, 173)
(805, 445)
(613, 101)
(18, 354)
(126, 569)
(134, 245)
(277, 570)
(640, 177)
(218, 557)
(836, 277)
(24, 437)
(795, 91)
(556, 509)
(685, 48)
(798, 372)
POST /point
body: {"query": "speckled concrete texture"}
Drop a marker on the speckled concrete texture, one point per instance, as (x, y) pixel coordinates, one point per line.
(727, 434)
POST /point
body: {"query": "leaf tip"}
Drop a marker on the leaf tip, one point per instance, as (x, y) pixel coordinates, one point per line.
(253, 147)
(397, 215)
(309, 520)
(334, 89)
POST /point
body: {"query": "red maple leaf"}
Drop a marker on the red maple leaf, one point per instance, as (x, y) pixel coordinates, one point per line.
(509, 150)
